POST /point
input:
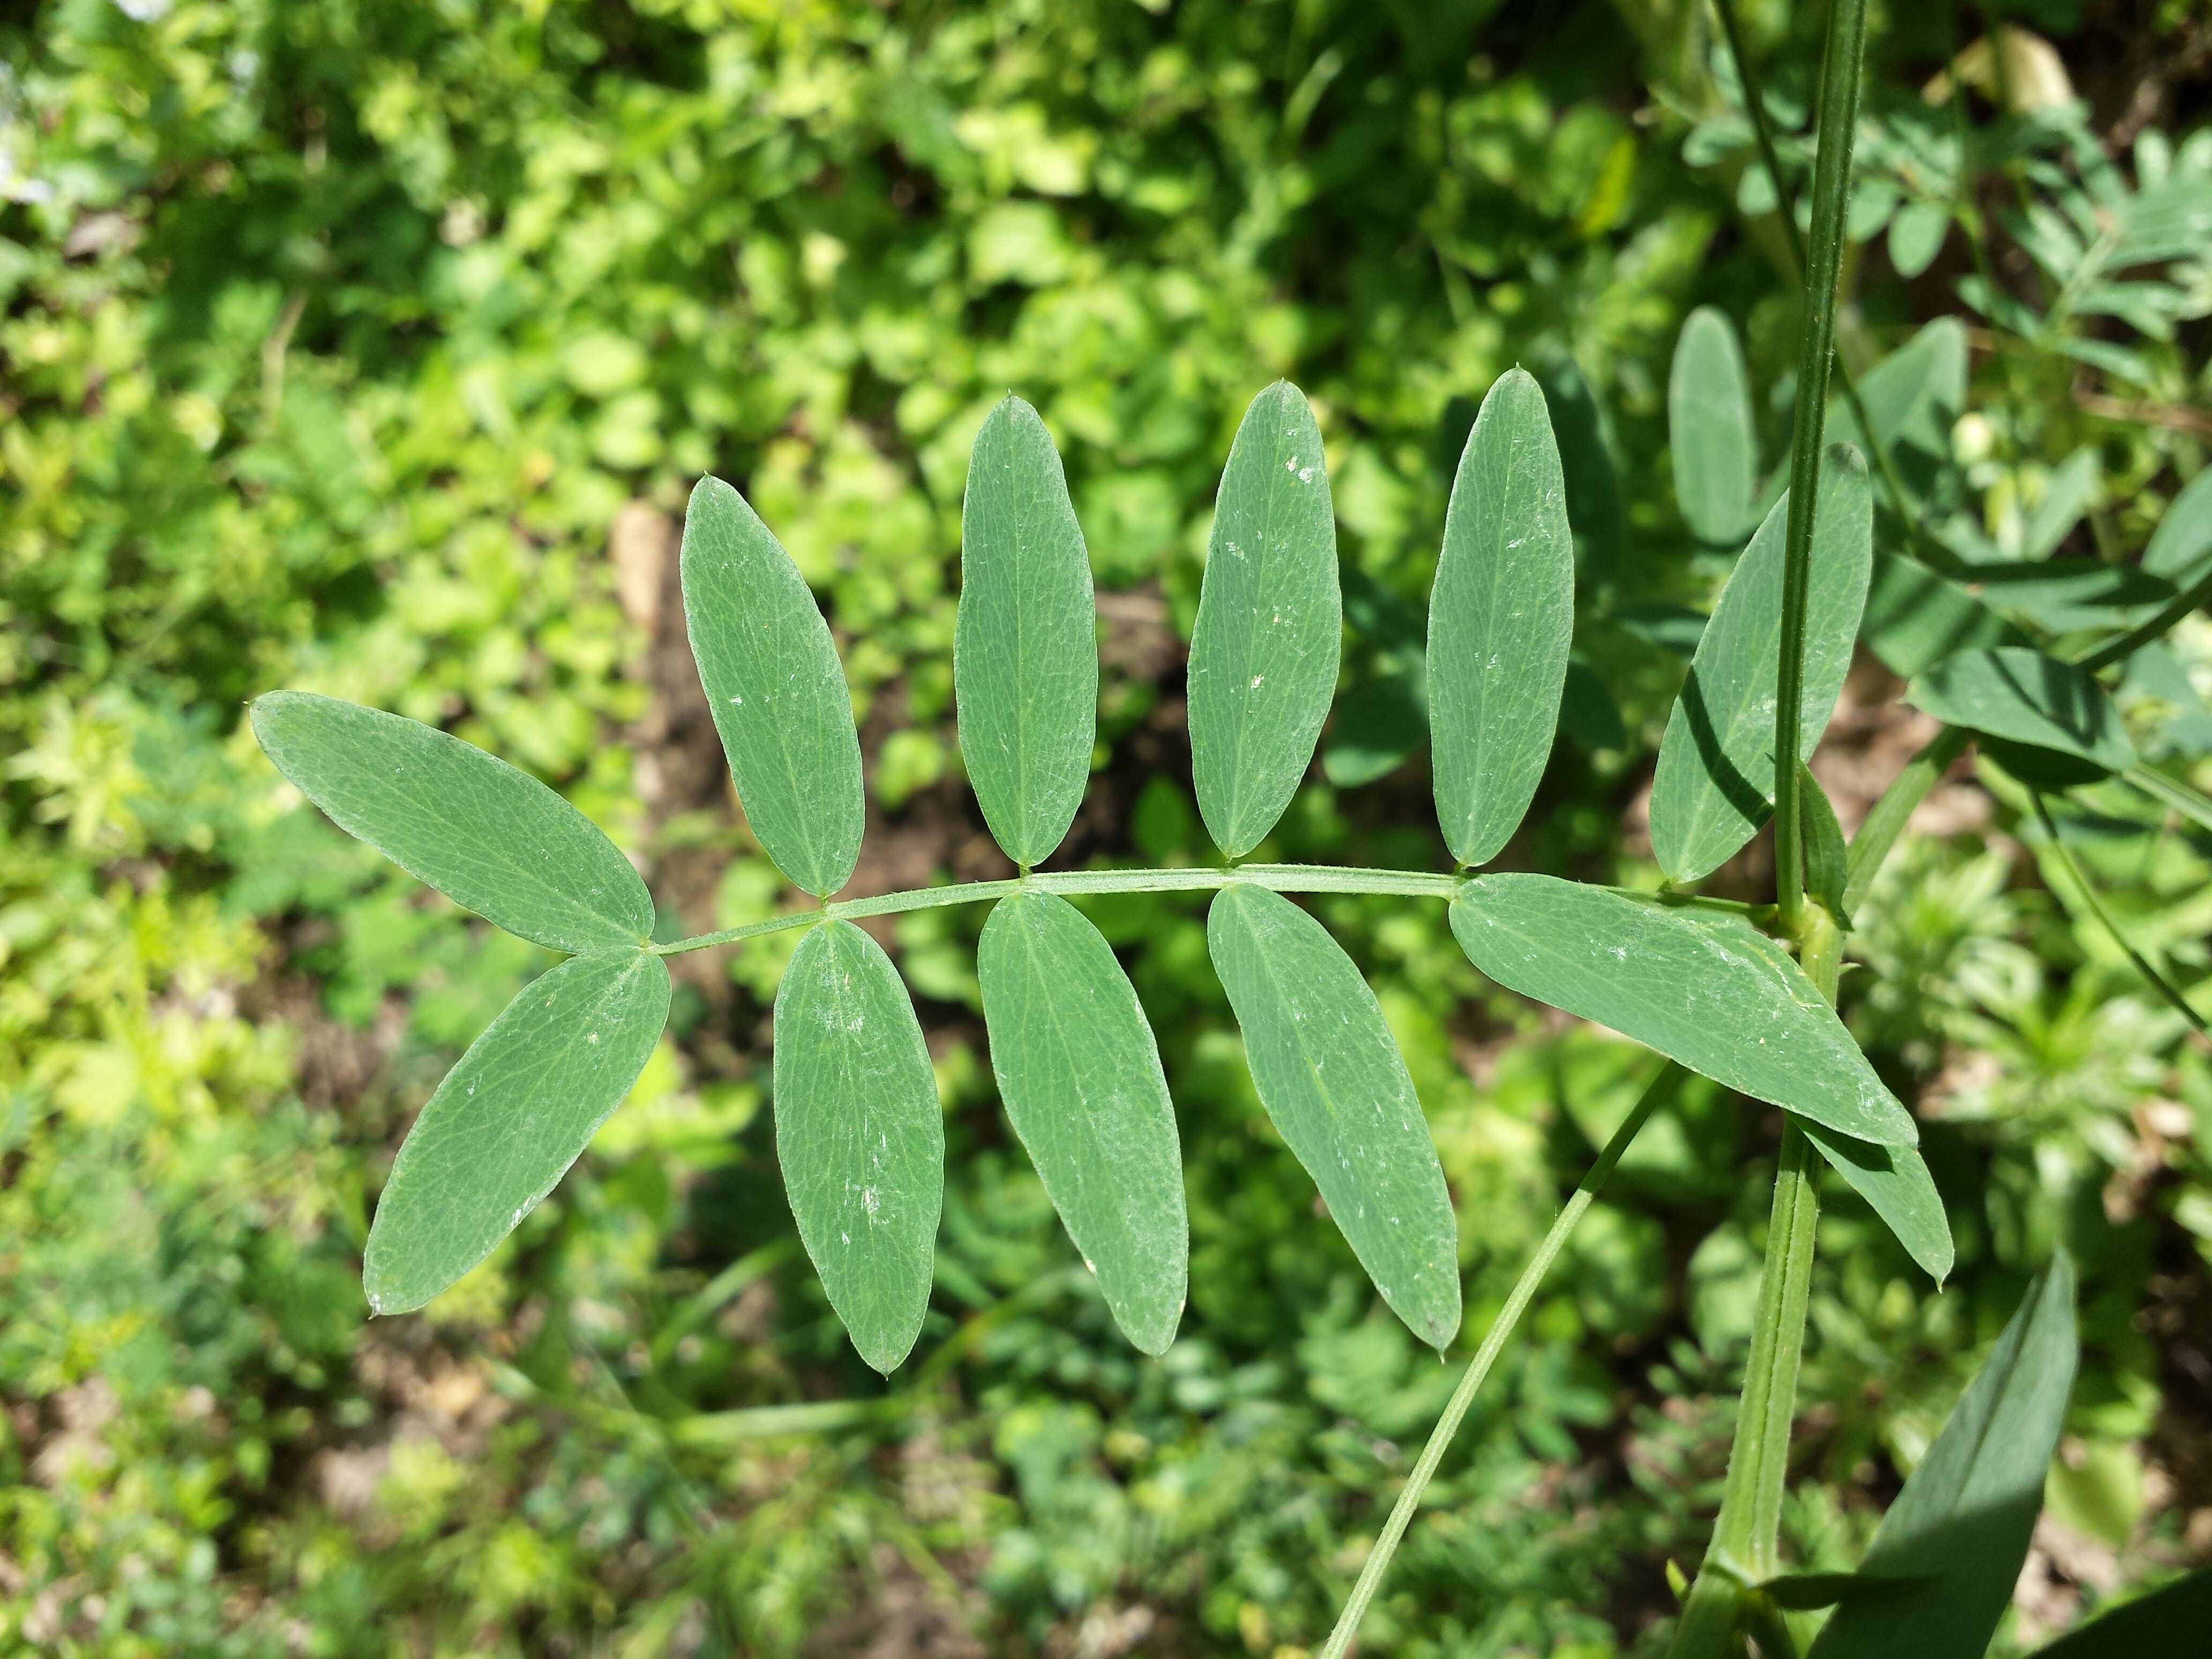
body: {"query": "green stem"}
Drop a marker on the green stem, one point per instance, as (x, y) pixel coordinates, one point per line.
(2120, 649)
(2171, 792)
(1493, 1341)
(2157, 981)
(1831, 169)
(1879, 831)
(1763, 137)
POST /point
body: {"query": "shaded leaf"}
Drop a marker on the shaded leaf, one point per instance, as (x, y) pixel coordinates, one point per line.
(509, 1119)
(1706, 990)
(1081, 1076)
(859, 1135)
(493, 839)
(2181, 547)
(1710, 431)
(1586, 458)
(1962, 1523)
(1913, 396)
(1588, 716)
(1826, 858)
(1915, 617)
(1714, 786)
(2017, 693)
(1916, 236)
(1264, 646)
(1335, 1087)
(776, 689)
(1896, 1185)
(1501, 619)
(1025, 652)
(1380, 722)
(2171, 1619)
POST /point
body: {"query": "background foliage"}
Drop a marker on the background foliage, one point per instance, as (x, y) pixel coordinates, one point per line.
(370, 346)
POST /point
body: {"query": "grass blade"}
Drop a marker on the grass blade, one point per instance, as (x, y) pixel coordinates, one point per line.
(776, 689)
(1709, 991)
(1710, 431)
(1265, 647)
(1501, 620)
(1080, 1075)
(493, 839)
(509, 1119)
(1025, 650)
(1714, 787)
(1335, 1086)
(861, 1136)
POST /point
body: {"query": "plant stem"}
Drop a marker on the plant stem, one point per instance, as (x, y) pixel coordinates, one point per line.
(1882, 825)
(1493, 1341)
(1763, 137)
(2120, 649)
(2171, 792)
(1831, 169)
(2157, 981)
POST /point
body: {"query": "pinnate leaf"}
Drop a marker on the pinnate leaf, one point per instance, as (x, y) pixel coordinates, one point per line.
(1961, 1525)
(1334, 1084)
(776, 689)
(1706, 990)
(1710, 431)
(1501, 620)
(859, 1135)
(2017, 693)
(493, 839)
(509, 1119)
(1714, 786)
(1269, 632)
(1025, 654)
(1081, 1076)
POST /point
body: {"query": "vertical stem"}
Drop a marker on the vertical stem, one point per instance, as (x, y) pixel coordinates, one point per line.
(1832, 168)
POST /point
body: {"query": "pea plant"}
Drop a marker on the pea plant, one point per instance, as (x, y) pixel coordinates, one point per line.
(1741, 994)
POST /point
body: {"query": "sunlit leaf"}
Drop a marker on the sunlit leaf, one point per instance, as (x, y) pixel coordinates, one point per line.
(493, 839)
(1332, 1080)
(1896, 1185)
(859, 1135)
(509, 1119)
(1501, 619)
(776, 689)
(1962, 1523)
(1704, 989)
(1714, 786)
(1916, 236)
(1024, 654)
(1264, 646)
(1081, 1076)
(2016, 693)
(2181, 548)
(1710, 429)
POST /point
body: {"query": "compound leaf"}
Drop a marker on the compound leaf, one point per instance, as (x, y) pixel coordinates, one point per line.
(777, 691)
(1264, 646)
(1025, 652)
(493, 839)
(1334, 1084)
(1706, 990)
(1501, 620)
(1896, 1185)
(1081, 1076)
(1961, 1525)
(509, 1119)
(1714, 786)
(861, 1136)
(1710, 431)
(2017, 693)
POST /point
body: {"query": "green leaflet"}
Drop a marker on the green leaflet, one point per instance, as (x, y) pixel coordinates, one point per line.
(1334, 1084)
(1916, 236)
(1264, 646)
(1025, 649)
(1710, 431)
(1718, 996)
(2020, 693)
(776, 689)
(1714, 786)
(1827, 860)
(509, 1119)
(2169, 1621)
(1915, 617)
(491, 838)
(1912, 396)
(861, 1136)
(1895, 1183)
(1501, 619)
(2181, 548)
(1961, 1525)
(1081, 1076)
